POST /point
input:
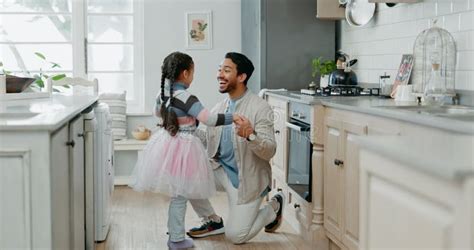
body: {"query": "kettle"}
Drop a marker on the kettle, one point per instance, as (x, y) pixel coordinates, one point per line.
(343, 75)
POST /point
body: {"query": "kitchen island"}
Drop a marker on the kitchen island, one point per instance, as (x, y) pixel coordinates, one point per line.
(42, 172)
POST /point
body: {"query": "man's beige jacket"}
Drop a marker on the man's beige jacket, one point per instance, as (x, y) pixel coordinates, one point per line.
(252, 158)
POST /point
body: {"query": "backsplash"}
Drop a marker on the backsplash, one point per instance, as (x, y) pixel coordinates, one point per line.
(379, 45)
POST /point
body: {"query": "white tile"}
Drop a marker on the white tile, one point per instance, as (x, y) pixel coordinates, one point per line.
(464, 40)
(374, 76)
(429, 9)
(451, 23)
(362, 76)
(467, 21)
(443, 8)
(460, 5)
(465, 60)
(422, 24)
(464, 80)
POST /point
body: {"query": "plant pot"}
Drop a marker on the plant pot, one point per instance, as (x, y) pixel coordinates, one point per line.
(324, 81)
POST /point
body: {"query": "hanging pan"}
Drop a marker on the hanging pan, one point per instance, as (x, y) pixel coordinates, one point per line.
(359, 12)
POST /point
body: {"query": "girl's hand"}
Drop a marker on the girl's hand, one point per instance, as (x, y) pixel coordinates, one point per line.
(236, 118)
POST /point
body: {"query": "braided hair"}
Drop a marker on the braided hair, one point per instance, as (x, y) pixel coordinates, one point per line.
(173, 65)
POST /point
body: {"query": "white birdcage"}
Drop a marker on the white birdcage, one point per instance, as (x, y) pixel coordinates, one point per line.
(435, 64)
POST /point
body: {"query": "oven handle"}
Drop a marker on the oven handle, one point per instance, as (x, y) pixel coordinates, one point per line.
(296, 127)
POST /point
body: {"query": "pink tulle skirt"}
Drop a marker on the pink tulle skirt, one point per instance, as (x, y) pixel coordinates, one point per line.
(174, 166)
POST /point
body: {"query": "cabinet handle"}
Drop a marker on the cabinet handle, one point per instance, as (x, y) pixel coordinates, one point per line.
(338, 162)
(279, 189)
(296, 205)
(80, 135)
(71, 143)
(277, 132)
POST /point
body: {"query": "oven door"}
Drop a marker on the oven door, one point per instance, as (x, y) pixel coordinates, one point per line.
(299, 158)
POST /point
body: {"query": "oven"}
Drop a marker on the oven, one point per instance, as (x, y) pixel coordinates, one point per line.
(299, 176)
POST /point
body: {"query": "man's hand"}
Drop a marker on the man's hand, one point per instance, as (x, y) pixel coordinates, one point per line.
(243, 127)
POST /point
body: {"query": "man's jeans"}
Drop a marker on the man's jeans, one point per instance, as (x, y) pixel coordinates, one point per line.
(244, 221)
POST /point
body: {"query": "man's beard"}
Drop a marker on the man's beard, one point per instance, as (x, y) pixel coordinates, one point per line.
(230, 86)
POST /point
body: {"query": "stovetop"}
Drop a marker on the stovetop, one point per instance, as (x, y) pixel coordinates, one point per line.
(342, 91)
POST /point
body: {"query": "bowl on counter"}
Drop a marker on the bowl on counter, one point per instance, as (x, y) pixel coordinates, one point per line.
(141, 133)
(17, 84)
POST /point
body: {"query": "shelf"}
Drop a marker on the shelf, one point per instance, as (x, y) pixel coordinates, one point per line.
(129, 144)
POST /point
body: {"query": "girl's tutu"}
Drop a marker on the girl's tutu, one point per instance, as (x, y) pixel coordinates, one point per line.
(174, 166)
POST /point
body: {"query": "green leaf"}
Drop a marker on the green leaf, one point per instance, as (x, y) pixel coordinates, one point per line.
(58, 77)
(1, 64)
(67, 86)
(40, 55)
(40, 83)
(55, 65)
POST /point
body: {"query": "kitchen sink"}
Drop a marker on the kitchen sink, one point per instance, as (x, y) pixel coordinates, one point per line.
(452, 111)
(17, 115)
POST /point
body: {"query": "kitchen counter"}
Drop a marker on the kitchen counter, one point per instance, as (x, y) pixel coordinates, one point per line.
(43, 113)
(432, 155)
(381, 107)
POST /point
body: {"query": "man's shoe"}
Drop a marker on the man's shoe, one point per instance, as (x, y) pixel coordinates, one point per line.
(207, 229)
(274, 225)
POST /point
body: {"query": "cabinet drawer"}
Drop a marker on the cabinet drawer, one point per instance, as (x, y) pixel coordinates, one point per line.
(298, 213)
(277, 102)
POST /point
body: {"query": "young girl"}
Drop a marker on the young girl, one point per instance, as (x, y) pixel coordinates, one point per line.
(174, 161)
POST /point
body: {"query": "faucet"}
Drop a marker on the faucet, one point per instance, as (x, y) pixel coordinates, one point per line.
(418, 100)
(455, 99)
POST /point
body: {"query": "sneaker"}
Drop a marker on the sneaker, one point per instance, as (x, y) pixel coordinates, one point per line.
(207, 229)
(274, 225)
(184, 244)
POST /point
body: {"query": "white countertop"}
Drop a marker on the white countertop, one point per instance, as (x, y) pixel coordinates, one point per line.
(450, 157)
(43, 113)
(378, 106)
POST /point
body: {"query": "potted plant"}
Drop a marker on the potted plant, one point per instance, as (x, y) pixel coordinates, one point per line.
(322, 68)
(15, 84)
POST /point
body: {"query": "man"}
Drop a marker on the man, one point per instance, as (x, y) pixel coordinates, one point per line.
(240, 156)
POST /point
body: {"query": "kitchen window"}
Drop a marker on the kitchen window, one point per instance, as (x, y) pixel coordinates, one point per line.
(100, 39)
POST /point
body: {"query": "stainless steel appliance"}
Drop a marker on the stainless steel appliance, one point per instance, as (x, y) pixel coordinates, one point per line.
(281, 38)
(300, 149)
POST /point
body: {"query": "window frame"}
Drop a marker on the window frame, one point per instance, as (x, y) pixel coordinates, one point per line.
(79, 32)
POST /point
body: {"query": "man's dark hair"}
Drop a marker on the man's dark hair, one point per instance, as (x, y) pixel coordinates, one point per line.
(244, 65)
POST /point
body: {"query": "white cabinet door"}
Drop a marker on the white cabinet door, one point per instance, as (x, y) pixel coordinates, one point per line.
(60, 188)
(77, 192)
(350, 234)
(333, 178)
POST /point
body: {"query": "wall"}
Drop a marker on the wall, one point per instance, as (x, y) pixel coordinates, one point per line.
(164, 33)
(392, 32)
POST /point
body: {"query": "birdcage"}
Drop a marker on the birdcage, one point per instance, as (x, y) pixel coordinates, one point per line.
(435, 64)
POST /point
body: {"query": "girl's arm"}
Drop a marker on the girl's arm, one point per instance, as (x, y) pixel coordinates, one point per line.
(194, 108)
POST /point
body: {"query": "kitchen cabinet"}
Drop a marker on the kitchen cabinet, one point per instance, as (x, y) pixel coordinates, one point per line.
(280, 159)
(76, 181)
(42, 174)
(341, 179)
(405, 205)
(329, 9)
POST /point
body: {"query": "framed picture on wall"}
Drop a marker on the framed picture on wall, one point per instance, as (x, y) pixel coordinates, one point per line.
(199, 30)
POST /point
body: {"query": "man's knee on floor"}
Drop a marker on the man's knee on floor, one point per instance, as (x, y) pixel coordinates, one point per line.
(236, 236)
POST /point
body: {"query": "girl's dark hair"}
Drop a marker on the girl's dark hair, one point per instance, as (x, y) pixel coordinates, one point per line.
(172, 67)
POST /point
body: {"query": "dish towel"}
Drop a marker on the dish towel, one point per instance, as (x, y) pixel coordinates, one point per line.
(261, 94)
